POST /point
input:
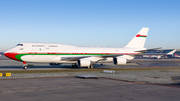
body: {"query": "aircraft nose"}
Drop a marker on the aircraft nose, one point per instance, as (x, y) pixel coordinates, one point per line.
(11, 55)
(6, 54)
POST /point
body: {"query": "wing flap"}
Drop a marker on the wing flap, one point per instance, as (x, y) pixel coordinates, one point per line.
(73, 58)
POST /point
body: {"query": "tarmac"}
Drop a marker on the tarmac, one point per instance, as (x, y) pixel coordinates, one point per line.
(124, 85)
(77, 89)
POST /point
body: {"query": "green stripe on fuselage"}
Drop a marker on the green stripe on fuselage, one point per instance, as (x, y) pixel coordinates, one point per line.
(20, 55)
(143, 36)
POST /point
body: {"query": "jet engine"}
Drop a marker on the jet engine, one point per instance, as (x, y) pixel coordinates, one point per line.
(84, 63)
(119, 61)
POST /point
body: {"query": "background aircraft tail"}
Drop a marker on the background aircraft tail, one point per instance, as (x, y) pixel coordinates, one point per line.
(175, 54)
(139, 40)
(172, 52)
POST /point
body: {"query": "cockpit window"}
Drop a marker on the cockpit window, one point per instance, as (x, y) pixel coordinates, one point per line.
(19, 44)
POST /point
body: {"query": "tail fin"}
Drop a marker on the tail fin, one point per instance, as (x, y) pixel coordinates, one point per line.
(139, 40)
(175, 54)
(172, 52)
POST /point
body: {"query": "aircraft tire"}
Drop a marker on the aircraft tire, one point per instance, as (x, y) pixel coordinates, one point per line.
(25, 67)
(91, 67)
(74, 66)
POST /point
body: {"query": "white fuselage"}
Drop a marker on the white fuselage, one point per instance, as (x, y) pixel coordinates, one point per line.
(78, 56)
(55, 53)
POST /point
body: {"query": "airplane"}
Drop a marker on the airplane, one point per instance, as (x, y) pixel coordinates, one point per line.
(176, 56)
(56, 54)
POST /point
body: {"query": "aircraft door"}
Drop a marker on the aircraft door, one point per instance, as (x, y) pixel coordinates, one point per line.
(47, 46)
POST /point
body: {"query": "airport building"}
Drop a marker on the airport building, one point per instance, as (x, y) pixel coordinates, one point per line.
(159, 54)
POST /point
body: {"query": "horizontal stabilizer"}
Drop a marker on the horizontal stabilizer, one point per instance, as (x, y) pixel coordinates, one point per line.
(143, 51)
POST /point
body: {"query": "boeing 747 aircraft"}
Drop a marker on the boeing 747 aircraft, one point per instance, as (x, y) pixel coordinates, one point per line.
(77, 56)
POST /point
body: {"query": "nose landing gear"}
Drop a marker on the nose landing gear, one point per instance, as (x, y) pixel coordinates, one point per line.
(24, 66)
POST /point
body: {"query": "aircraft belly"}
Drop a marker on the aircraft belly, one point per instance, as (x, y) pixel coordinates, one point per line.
(45, 59)
(38, 58)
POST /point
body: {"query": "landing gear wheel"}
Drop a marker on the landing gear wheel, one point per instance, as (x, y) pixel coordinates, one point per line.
(25, 67)
(74, 65)
(90, 67)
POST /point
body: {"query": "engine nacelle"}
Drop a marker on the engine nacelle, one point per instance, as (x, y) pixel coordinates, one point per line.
(119, 61)
(84, 63)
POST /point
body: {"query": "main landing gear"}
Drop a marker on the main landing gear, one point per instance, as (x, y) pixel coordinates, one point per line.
(90, 67)
(24, 66)
(74, 65)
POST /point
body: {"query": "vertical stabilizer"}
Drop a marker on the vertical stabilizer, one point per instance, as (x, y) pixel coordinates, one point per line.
(171, 52)
(139, 40)
(175, 54)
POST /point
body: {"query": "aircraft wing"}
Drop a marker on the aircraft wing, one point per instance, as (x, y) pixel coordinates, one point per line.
(73, 58)
(81, 57)
(107, 56)
(112, 56)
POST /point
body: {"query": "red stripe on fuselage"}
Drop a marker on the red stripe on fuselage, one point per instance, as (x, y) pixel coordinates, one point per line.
(11, 56)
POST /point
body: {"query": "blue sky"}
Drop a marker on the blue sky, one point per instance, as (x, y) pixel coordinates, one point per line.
(110, 23)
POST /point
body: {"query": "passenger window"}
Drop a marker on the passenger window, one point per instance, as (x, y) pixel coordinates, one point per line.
(39, 45)
(52, 46)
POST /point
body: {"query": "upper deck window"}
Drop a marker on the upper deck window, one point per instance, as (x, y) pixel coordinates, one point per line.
(39, 45)
(19, 44)
(52, 46)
